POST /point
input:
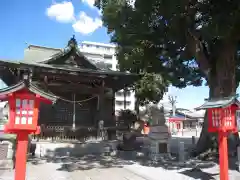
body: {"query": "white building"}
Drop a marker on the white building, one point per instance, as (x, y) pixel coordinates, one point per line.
(104, 54)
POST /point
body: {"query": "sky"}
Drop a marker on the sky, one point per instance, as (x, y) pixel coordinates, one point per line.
(52, 23)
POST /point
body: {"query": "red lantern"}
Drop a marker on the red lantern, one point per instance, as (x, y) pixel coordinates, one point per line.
(24, 100)
(23, 111)
(23, 106)
(222, 119)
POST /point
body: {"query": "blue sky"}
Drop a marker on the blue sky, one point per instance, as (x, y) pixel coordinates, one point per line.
(52, 23)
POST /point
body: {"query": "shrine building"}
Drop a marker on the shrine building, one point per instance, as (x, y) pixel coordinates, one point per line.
(84, 92)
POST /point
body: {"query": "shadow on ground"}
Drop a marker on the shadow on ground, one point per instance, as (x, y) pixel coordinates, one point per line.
(197, 173)
(121, 159)
(85, 162)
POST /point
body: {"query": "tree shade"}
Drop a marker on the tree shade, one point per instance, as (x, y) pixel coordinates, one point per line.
(183, 41)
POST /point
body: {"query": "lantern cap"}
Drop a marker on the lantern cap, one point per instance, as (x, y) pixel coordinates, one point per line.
(23, 85)
(219, 102)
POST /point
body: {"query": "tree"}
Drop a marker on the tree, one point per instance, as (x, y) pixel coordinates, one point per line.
(127, 117)
(185, 41)
(173, 101)
(150, 88)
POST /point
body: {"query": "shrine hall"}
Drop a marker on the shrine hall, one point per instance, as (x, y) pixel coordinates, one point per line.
(84, 93)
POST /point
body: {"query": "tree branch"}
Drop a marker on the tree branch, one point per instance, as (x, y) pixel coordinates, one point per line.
(197, 49)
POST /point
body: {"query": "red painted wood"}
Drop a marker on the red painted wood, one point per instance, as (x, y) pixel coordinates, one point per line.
(21, 155)
(219, 120)
(223, 156)
(23, 129)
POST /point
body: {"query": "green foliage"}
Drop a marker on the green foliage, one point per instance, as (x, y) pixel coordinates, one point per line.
(180, 40)
(128, 117)
(150, 88)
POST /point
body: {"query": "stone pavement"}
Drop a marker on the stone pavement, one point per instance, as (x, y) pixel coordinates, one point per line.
(156, 173)
(52, 171)
(97, 170)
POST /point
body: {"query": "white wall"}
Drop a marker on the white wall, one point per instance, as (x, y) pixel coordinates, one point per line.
(91, 49)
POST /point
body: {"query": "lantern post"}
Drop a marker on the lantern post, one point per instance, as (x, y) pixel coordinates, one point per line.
(222, 119)
(24, 99)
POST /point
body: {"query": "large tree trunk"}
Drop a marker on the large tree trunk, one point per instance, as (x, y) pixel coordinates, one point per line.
(222, 83)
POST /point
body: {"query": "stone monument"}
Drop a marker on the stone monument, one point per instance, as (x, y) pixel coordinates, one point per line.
(158, 137)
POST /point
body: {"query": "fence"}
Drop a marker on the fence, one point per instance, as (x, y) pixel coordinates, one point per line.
(186, 132)
(66, 133)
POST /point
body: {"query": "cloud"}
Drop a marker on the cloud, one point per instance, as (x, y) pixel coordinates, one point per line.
(85, 24)
(64, 12)
(90, 4)
(61, 12)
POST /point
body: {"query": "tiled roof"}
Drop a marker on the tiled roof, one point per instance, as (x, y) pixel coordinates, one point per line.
(219, 102)
(21, 85)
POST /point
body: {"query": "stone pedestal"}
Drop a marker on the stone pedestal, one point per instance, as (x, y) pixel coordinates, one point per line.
(158, 140)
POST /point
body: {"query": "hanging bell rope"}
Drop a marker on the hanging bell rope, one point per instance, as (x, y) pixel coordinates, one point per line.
(74, 112)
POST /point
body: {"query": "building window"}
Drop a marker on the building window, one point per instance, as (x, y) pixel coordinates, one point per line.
(109, 66)
(128, 103)
(119, 103)
(90, 56)
(121, 93)
(107, 49)
(189, 124)
(107, 57)
(117, 67)
(128, 93)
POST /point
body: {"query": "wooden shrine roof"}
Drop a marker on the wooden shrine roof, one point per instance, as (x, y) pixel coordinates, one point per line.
(68, 62)
(32, 88)
(219, 102)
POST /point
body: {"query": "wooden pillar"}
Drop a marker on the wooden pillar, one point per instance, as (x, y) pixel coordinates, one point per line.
(112, 132)
(124, 98)
(100, 118)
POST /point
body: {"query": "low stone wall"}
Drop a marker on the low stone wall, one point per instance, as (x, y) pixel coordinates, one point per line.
(174, 142)
(6, 154)
(46, 148)
(71, 149)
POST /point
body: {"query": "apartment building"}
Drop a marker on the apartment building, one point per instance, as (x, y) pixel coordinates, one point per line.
(104, 55)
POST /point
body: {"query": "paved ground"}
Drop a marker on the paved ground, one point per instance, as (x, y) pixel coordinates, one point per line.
(102, 168)
(57, 171)
(157, 173)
